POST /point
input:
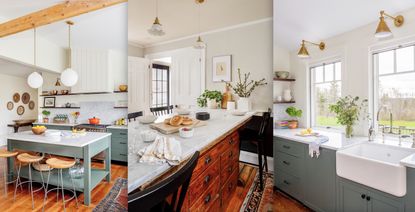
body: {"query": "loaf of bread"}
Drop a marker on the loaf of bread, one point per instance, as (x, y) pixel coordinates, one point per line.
(176, 121)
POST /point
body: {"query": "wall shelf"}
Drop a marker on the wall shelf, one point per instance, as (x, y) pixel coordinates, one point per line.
(60, 107)
(120, 107)
(120, 91)
(286, 80)
(73, 94)
(284, 102)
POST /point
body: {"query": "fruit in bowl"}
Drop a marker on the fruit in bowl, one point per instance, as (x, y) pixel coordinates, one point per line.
(38, 130)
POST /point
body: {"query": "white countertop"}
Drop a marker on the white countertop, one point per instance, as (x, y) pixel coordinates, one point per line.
(139, 173)
(56, 124)
(67, 139)
(120, 127)
(338, 141)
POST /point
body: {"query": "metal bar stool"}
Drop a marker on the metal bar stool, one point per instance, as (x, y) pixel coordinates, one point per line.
(28, 159)
(7, 154)
(59, 164)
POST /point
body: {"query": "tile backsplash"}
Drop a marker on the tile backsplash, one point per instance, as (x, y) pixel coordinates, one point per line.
(103, 110)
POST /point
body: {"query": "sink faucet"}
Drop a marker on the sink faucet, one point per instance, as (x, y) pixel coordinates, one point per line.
(371, 133)
(390, 118)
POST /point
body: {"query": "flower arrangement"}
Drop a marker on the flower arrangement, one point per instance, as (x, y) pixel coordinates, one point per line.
(75, 115)
(245, 87)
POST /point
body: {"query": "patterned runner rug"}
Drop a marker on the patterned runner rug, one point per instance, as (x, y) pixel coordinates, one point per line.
(116, 200)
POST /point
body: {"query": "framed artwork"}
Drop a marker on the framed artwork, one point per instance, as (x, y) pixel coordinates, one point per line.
(49, 102)
(222, 68)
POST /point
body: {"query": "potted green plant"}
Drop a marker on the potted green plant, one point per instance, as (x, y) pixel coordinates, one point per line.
(347, 110)
(210, 99)
(294, 113)
(46, 115)
(244, 88)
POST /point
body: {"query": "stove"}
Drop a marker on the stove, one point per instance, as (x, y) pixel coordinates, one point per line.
(92, 127)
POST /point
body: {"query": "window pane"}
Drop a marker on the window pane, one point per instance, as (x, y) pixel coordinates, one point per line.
(405, 59)
(338, 71)
(319, 74)
(154, 75)
(386, 62)
(326, 94)
(396, 92)
(329, 72)
(165, 75)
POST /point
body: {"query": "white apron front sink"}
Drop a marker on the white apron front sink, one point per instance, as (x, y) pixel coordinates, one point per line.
(374, 165)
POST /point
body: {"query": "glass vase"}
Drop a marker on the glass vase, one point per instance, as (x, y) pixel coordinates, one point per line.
(349, 131)
(77, 171)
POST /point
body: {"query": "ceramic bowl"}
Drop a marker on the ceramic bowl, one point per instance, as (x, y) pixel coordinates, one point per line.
(183, 111)
(148, 135)
(238, 113)
(186, 132)
(147, 119)
(282, 74)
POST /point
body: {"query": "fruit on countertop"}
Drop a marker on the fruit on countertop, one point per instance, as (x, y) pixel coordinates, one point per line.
(307, 131)
(121, 122)
(76, 131)
(38, 129)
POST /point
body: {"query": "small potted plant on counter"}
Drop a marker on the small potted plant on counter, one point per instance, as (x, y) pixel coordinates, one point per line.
(210, 99)
(46, 115)
(244, 89)
(294, 113)
(347, 110)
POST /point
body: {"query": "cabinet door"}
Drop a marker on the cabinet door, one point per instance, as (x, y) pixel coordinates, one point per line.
(138, 85)
(320, 181)
(381, 203)
(352, 198)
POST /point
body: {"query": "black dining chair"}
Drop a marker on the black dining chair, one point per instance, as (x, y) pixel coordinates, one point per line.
(256, 140)
(154, 198)
(159, 111)
(134, 115)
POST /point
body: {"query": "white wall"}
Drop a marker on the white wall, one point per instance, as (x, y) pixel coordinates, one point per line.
(281, 63)
(251, 50)
(135, 51)
(354, 49)
(9, 86)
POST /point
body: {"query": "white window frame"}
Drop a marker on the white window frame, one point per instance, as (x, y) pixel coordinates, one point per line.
(374, 94)
(312, 84)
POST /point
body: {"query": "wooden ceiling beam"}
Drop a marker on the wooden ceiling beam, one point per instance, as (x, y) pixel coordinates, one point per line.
(62, 11)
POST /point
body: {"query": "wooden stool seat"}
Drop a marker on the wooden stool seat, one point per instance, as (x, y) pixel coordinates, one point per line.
(28, 158)
(60, 164)
(6, 154)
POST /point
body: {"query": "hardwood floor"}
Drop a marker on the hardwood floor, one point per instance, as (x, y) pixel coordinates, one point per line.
(280, 202)
(23, 200)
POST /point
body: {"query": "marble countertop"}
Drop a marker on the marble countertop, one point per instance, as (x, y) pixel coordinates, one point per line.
(338, 141)
(120, 127)
(56, 124)
(66, 139)
(220, 123)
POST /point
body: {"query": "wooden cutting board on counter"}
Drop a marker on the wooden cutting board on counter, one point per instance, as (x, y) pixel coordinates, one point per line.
(168, 129)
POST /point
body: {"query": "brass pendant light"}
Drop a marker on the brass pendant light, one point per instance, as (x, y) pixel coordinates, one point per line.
(383, 31)
(303, 52)
(156, 29)
(199, 42)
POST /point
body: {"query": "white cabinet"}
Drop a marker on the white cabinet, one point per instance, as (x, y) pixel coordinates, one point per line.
(139, 85)
(98, 70)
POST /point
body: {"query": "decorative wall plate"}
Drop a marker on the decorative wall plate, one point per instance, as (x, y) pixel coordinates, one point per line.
(20, 110)
(31, 105)
(10, 105)
(25, 98)
(16, 97)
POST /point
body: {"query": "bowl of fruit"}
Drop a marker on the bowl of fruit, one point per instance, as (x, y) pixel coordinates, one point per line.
(307, 132)
(38, 130)
(186, 132)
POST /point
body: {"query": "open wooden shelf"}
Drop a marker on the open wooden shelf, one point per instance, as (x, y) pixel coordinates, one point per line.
(120, 91)
(286, 80)
(60, 107)
(120, 107)
(284, 102)
(73, 94)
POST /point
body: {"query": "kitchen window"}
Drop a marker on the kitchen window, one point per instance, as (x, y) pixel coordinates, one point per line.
(395, 88)
(325, 90)
(160, 85)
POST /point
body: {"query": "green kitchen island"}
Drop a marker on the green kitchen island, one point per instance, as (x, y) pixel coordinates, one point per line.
(70, 145)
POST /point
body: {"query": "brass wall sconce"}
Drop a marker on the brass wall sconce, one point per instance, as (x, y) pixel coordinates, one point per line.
(383, 31)
(303, 53)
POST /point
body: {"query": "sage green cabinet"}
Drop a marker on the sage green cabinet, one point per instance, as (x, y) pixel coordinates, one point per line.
(119, 144)
(356, 197)
(57, 127)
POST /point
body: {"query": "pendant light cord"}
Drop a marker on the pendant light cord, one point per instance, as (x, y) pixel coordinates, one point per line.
(69, 44)
(157, 8)
(34, 45)
(199, 17)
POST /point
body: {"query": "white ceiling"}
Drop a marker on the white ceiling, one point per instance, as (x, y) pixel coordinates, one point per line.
(317, 20)
(15, 69)
(180, 17)
(105, 29)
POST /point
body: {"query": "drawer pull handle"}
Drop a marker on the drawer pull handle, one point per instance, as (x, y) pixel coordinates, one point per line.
(286, 147)
(363, 196)
(230, 186)
(207, 179)
(230, 169)
(123, 133)
(286, 163)
(123, 154)
(368, 198)
(123, 142)
(207, 198)
(286, 182)
(230, 154)
(207, 160)
(231, 141)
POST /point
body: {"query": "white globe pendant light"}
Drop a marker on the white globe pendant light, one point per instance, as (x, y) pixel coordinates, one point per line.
(69, 77)
(34, 80)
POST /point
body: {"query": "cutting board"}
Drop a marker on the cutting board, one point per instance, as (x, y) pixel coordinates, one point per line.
(168, 129)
